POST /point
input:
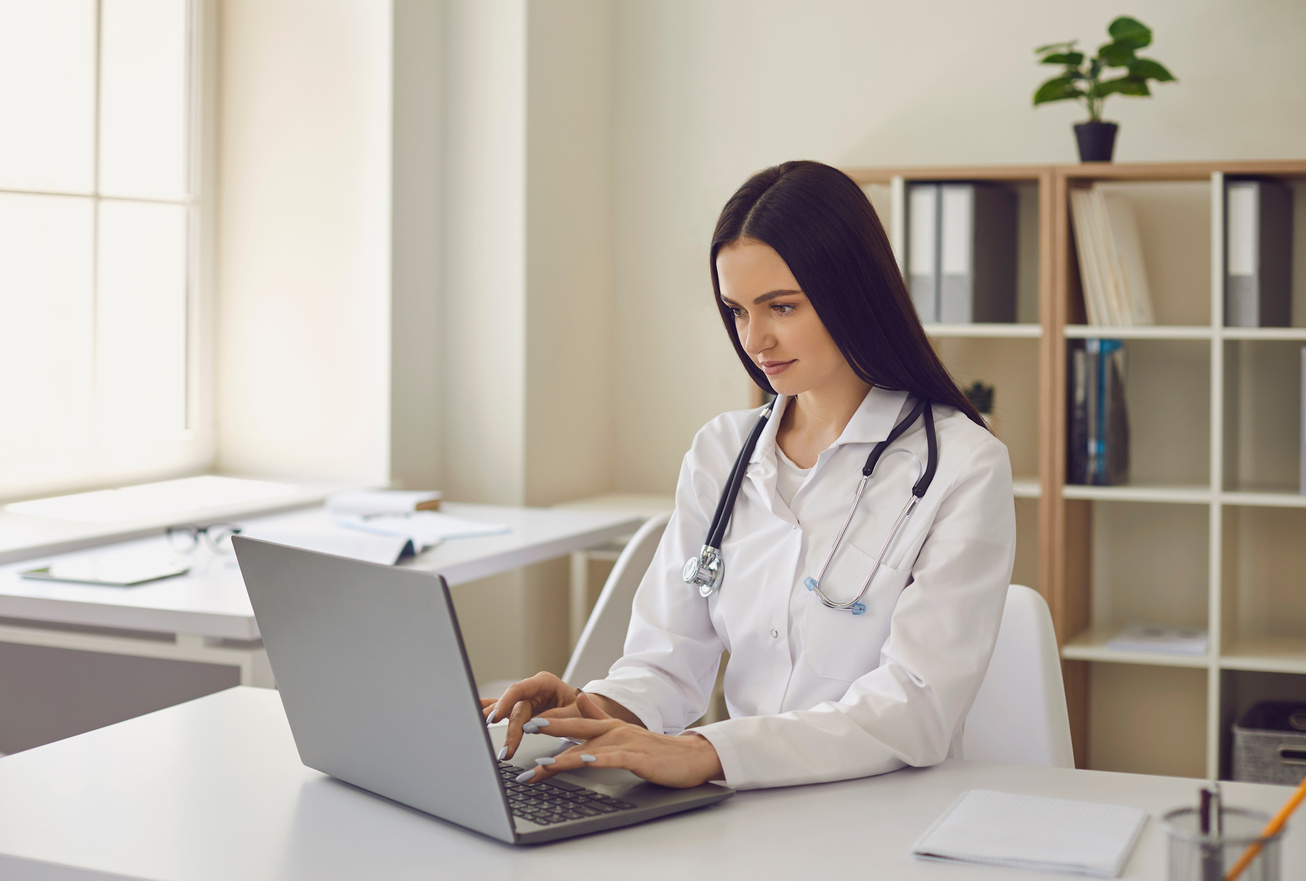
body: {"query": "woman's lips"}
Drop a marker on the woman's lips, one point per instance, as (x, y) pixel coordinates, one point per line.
(771, 368)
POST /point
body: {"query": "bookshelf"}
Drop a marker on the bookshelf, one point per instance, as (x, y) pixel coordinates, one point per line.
(1209, 529)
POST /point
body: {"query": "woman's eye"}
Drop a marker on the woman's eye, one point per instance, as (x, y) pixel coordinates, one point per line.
(783, 308)
(737, 311)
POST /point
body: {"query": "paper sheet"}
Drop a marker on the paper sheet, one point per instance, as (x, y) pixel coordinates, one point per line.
(1033, 832)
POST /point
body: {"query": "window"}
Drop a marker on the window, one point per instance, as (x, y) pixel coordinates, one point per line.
(101, 224)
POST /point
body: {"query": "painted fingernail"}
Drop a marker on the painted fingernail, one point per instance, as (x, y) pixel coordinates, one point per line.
(588, 758)
(503, 753)
(490, 719)
(545, 760)
(539, 723)
(526, 776)
(530, 728)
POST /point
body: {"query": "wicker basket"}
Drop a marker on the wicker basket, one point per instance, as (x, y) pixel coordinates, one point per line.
(1269, 744)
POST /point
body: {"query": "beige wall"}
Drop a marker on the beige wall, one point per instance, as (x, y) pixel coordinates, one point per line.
(303, 245)
(709, 91)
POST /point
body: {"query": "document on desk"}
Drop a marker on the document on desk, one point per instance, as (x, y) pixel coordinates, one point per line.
(1032, 832)
(379, 539)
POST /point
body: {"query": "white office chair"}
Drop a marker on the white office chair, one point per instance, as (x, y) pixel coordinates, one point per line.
(604, 636)
(1019, 715)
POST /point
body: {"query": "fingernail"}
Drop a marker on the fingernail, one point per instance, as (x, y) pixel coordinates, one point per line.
(493, 710)
(545, 760)
(588, 758)
(540, 723)
(526, 776)
(530, 728)
(503, 753)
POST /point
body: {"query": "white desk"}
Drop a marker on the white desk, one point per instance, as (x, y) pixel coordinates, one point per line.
(205, 616)
(213, 789)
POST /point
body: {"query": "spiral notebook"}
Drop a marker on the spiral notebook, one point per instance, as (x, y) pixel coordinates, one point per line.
(1032, 832)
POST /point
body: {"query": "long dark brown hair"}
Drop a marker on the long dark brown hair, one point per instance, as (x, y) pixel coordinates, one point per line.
(822, 225)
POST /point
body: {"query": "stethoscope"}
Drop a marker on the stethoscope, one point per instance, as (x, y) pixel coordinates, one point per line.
(708, 569)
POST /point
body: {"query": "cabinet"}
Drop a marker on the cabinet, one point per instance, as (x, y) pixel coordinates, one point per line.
(1210, 530)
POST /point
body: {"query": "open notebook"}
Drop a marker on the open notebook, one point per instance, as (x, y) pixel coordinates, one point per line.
(1032, 832)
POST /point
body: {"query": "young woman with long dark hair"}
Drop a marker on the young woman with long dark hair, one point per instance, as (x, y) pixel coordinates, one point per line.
(823, 682)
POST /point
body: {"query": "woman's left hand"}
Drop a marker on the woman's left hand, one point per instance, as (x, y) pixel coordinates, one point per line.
(681, 762)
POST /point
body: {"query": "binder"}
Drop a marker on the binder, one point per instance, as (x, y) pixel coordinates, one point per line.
(1077, 414)
(977, 253)
(923, 249)
(1097, 436)
(1258, 254)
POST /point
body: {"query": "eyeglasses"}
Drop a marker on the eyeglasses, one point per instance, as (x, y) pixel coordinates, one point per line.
(184, 539)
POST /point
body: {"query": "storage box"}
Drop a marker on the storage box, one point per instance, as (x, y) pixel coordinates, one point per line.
(1269, 744)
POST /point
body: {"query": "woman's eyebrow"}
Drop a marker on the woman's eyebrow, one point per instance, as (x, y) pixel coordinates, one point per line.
(764, 298)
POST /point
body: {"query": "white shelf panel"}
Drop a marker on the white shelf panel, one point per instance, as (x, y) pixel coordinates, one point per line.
(1157, 332)
(1264, 333)
(1265, 498)
(1026, 487)
(1266, 654)
(995, 331)
(1091, 646)
(1184, 495)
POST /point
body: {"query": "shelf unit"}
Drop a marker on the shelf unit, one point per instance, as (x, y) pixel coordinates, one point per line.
(1209, 530)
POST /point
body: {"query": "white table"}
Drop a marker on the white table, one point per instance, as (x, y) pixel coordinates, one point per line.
(213, 789)
(205, 616)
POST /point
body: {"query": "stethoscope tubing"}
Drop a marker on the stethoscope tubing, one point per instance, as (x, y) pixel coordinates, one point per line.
(710, 560)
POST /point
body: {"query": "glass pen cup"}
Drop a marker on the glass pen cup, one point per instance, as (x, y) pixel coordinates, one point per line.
(1198, 857)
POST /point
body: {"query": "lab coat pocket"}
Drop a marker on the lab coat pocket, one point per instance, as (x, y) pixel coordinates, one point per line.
(838, 644)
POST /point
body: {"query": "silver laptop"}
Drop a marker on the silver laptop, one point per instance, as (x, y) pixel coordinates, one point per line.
(378, 692)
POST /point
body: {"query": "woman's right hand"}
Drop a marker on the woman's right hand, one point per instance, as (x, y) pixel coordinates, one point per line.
(541, 695)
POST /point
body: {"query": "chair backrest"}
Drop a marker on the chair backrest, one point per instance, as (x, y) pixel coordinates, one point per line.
(604, 637)
(1019, 715)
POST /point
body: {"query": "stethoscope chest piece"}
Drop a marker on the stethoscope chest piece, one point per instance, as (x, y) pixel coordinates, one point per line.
(705, 571)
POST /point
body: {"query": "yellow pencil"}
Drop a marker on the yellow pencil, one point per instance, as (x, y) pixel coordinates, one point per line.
(1271, 828)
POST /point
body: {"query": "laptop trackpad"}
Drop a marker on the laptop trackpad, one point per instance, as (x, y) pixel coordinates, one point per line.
(615, 782)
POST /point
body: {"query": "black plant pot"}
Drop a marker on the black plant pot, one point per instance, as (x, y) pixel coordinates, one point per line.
(1096, 140)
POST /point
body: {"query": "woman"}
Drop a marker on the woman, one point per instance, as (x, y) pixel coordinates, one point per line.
(817, 310)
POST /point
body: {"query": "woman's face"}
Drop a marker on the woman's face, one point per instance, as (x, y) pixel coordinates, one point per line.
(777, 325)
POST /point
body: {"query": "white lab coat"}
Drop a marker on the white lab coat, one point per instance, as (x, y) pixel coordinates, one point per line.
(819, 694)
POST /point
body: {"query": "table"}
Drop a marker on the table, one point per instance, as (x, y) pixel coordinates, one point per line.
(213, 789)
(206, 617)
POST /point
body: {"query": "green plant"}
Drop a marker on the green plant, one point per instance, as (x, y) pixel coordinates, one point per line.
(1082, 79)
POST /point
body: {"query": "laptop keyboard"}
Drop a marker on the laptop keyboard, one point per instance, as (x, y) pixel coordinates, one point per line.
(554, 801)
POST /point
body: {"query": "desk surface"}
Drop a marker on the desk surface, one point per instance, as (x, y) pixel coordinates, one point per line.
(211, 600)
(214, 789)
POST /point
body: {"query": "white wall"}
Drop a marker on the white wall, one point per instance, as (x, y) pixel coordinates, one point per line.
(303, 266)
(709, 91)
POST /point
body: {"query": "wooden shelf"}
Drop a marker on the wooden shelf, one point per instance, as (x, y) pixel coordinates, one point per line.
(1091, 646)
(989, 331)
(1149, 332)
(1265, 498)
(1291, 334)
(1175, 495)
(1266, 654)
(1209, 424)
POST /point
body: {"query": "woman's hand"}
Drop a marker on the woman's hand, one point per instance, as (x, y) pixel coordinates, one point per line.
(681, 762)
(542, 695)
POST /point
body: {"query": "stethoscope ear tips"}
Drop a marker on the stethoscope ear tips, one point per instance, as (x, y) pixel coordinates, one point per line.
(857, 609)
(809, 582)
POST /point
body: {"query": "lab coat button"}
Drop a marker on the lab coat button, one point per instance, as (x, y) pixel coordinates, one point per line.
(775, 634)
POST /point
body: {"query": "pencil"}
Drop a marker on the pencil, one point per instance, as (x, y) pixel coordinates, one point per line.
(1271, 828)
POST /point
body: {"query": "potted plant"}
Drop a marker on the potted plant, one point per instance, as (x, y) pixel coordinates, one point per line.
(1083, 80)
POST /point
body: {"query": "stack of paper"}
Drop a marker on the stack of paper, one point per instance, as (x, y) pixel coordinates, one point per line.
(1032, 832)
(1138, 637)
(1111, 268)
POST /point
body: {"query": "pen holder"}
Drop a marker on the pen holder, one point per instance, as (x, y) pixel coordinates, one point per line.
(1198, 857)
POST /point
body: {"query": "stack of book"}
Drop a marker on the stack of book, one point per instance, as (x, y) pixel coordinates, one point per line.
(1098, 429)
(1111, 268)
(961, 252)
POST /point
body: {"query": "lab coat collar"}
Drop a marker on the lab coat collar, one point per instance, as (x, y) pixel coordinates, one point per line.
(871, 423)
